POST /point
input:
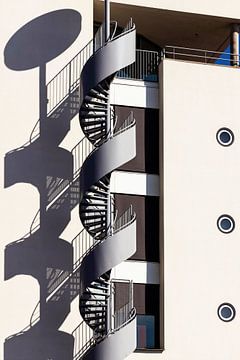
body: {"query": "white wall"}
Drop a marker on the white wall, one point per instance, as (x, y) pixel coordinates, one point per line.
(134, 93)
(201, 182)
(19, 112)
(134, 183)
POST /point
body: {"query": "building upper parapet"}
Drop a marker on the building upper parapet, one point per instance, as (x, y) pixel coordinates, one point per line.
(213, 7)
(193, 24)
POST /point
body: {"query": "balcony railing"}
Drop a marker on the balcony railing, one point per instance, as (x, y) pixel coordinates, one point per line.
(201, 55)
(144, 68)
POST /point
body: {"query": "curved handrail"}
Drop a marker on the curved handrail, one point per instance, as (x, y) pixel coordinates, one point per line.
(125, 31)
(113, 230)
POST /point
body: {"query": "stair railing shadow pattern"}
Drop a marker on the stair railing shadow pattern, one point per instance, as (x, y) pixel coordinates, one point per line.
(41, 253)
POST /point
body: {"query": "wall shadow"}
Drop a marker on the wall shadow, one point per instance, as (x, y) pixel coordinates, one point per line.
(41, 253)
(42, 39)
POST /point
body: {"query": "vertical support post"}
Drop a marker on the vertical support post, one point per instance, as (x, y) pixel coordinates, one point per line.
(107, 20)
(108, 122)
(42, 97)
(235, 45)
(42, 190)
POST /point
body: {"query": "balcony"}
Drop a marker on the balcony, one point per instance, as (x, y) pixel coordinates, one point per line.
(144, 68)
(201, 56)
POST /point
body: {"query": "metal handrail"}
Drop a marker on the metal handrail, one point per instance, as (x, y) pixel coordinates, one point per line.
(207, 56)
(145, 67)
(67, 79)
(84, 340)
(124, 220)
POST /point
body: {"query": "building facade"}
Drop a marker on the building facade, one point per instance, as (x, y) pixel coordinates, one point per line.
(120, 146)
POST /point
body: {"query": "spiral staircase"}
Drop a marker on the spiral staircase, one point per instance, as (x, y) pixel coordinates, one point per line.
(114, 242)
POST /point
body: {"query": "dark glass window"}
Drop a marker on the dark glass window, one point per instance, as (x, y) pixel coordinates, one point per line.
(147, 303)
(147, 212)
(145, 331)
(147, 138)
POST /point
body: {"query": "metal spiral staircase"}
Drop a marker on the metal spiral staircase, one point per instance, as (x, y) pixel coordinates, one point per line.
(114, 242)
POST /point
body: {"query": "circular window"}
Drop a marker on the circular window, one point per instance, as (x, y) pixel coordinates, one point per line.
(225, 223)
(226, 312)
(225, 137)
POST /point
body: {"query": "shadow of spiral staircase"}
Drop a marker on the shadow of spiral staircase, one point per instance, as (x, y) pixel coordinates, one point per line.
(105, 242)
(113, 241)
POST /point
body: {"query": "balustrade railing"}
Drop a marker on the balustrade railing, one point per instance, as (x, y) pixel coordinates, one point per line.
(81, 244)
(68, 79)
(122, 315)
(80, 153)
(201, 55)
(124, 219)
(144, 68)
(83, 340)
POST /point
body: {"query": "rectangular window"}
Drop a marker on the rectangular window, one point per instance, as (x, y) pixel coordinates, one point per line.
(147, 138)
(147, 212)
(145, 332)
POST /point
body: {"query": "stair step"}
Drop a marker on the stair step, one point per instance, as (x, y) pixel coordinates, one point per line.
(96, 203)
(100, 137)
(83, 304)
(101, 89)
(97, 211)
(89, 122)
(85, 108)
(101, 320)
(99, 191)
(103, 281)
(99, 222)
(95, 293)
(102, 185)
(94, 312)
(93, 130)
(94, 197)
(96, 95)
(98, 103)
(93, 116)
(97, 218)
(99, 287)
(96, 230)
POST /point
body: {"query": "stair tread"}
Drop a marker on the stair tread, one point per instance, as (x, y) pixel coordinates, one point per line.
(92, 217)
(94, 102)
(93, 116)
(96, 95)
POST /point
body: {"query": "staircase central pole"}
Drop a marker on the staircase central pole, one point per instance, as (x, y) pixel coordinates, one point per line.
(107, 20)
(108, 128)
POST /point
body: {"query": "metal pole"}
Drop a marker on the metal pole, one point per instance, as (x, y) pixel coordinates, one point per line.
(107, 20)
(235, 45)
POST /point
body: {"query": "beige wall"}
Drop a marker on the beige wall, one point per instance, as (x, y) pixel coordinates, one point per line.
(19, 112)
(217, 8)
(201, 182)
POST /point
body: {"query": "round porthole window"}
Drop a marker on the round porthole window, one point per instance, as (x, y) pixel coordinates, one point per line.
(225, 137)
(225, 223)
(226, 312)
